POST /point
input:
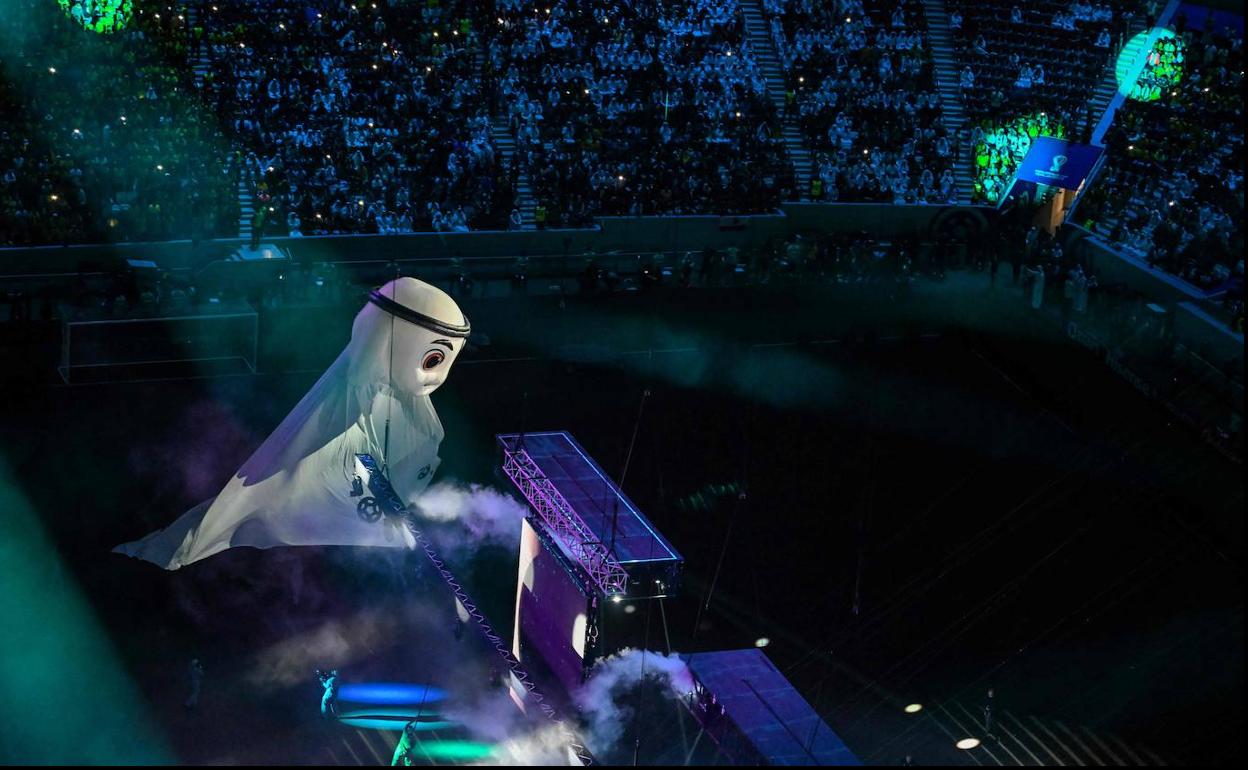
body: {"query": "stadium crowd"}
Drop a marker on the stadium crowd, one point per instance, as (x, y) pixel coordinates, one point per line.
(1031, 64)
(999, 146)
(859, 82)
(1172, 191)
(1031, 57)
(102, 137)
(357, 117)
(636, 107)
(380, 116)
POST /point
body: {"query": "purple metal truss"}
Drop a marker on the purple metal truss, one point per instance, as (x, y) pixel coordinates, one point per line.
(564, 524)
(393, 506)
(518, 672)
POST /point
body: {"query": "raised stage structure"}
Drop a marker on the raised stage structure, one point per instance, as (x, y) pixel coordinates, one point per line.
(587, 554)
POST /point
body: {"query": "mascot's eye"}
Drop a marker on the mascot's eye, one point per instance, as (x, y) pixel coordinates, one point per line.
(433, 359)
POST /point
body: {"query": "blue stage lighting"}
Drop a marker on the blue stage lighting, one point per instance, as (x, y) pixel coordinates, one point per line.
(393, 719)
(390, 693)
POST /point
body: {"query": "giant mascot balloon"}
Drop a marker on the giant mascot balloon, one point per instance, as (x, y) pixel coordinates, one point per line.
(296, 488)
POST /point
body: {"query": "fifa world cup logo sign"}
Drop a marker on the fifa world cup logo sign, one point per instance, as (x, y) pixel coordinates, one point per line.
(1058, 162)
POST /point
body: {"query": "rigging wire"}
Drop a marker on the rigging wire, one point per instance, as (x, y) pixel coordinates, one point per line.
(961, 554)
(628, 458)
(933, 647)
(641, 702)
(736, 508)
(667, 641)
(927, 652)
(385, 446)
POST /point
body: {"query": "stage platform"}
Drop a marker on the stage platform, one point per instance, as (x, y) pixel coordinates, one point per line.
(591, 519)
(757, 717)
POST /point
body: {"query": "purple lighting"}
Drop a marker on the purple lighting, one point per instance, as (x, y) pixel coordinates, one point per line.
(574, 536)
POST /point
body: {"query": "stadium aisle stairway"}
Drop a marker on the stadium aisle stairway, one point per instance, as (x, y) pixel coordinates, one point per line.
(505, 144)
(769, 63)
(946, 73)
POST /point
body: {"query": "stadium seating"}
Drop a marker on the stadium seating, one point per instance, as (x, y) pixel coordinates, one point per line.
(637, 107)
(1031, 65)
(102, 137)
(1172, 188)
(859, 80)
(357, 118)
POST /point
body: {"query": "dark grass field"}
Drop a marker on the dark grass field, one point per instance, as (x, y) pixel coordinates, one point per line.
(941, 496)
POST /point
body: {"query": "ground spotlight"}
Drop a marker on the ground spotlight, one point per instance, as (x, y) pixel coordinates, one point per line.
(914, 708)
(966, 744)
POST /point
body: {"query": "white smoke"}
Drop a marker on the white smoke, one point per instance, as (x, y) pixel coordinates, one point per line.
(493, 717)
(545, 747)
(614, 676)
(486, 515)
(338, 642)
(518, 740)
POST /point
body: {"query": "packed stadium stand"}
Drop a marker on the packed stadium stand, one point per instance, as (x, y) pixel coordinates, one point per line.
(637, 107)
(1035, 62)
(859, 82)
(238, 118)
(1172, 189)
(103, 138)
(354, 118)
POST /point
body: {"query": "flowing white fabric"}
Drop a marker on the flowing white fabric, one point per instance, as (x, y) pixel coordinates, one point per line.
(295, 488)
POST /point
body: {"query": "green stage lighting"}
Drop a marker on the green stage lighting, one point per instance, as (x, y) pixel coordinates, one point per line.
(1150, 64)
(1004, 147)
(454, 751)
(102, 16)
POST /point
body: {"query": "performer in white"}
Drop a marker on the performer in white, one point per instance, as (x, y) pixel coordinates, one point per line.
(296, 488)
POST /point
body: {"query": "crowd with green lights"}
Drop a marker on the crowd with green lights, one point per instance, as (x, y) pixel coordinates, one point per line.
(1172, 190)
(1162, 69)
(103, 16)
(1000, 146)
(1027, 71)
(355, 116)
(102, 137)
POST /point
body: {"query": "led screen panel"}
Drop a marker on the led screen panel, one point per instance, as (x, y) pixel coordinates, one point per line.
(552, 612)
